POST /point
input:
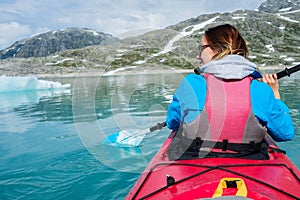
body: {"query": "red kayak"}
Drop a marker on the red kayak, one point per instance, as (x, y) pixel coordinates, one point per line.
(218, 178)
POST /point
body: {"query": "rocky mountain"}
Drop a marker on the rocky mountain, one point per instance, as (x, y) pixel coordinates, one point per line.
(271, 31)
(276, 6)
(54, 41)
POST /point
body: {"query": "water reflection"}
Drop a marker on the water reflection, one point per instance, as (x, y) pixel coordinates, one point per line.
(21, 109)
(104, 105)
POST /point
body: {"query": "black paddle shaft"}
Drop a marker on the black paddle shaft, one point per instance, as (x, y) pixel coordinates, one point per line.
(288, 71)
(158, 126)
(283, 73)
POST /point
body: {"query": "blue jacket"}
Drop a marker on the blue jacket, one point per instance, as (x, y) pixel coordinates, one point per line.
(269, 111)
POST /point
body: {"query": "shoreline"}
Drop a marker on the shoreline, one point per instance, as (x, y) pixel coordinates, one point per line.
(119, 73)
(122, 72)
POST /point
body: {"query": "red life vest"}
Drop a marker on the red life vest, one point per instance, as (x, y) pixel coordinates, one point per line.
(227, 114)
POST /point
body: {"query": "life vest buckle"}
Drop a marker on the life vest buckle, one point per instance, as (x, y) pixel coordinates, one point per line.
(198, 143)
(224, 145)
(252, 146)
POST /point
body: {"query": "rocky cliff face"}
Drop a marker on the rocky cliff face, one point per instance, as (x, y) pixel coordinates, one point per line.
(54, 41)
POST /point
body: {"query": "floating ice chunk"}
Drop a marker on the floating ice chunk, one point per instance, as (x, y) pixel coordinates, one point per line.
(17, 83)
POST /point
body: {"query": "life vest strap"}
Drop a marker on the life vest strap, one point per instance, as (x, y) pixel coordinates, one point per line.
(198, 143)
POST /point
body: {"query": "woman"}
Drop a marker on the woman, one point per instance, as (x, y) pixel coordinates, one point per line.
(226, 104)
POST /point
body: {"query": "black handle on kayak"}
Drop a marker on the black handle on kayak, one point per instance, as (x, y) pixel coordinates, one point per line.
(288, 71)
(158, 126)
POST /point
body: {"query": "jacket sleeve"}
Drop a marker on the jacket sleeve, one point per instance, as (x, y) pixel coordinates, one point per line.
(190, 94)
(174, 114)
(271, 112)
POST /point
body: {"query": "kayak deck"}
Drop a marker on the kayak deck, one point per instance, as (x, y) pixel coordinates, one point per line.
(276, 178)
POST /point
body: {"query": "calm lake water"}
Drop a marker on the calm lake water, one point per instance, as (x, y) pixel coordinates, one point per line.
(50, 141)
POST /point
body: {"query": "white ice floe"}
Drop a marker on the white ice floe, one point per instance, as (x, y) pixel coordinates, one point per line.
(28, 83)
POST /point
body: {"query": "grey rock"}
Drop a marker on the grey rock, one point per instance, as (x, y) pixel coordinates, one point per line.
(55, 41)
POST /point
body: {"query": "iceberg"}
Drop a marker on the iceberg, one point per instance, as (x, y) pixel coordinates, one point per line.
(18, 92)
(15, 91)
(28, 83)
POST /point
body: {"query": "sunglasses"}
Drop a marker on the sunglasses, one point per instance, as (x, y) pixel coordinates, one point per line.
(202, 47)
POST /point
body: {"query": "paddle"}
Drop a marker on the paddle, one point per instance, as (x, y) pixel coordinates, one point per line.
(288, 71)
(132, 138)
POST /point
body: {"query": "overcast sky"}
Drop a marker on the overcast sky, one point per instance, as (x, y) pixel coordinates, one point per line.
(24, 18)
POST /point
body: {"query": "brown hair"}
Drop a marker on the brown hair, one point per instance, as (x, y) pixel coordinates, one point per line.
(225, 39)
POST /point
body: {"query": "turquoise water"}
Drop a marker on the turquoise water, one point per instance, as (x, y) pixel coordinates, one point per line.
(50, 141)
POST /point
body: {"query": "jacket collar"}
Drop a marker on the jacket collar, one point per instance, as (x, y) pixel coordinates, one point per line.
(231, 67)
